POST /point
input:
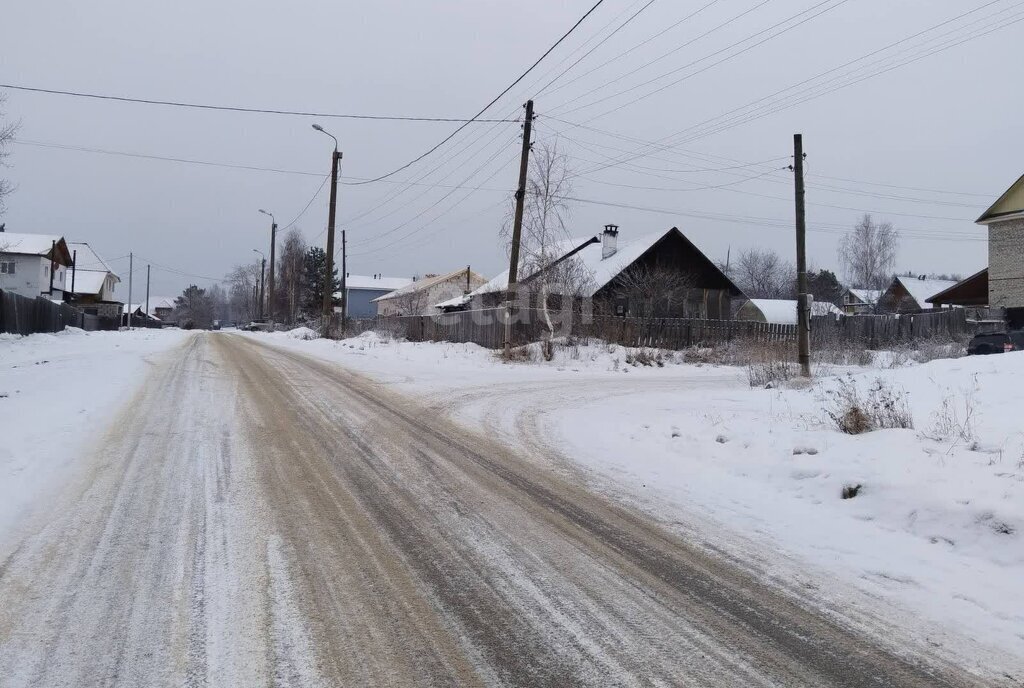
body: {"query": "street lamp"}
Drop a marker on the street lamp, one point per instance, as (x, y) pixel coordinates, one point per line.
(263, 268)
(329, 271)
(273, 241)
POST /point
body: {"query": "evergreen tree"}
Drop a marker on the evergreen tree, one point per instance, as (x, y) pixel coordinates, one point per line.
(194, 308)
(315, 265)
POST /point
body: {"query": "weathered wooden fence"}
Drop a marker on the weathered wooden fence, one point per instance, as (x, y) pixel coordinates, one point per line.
(487, 328)
(24, 315)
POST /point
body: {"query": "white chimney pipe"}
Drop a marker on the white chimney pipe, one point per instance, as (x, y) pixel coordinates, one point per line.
(609, 241)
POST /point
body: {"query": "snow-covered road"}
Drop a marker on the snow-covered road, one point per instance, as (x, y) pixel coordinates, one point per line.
(260, 517)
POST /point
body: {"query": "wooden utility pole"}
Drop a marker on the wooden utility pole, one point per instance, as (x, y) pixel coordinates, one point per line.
(344, 291)
(517, 226)
(147, 291)
(802, 302)
(131, 260)
(259, 302)
(74, 268)
(328, 307)
(270, 278)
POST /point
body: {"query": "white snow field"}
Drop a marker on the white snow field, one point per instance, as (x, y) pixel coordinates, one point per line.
(58, 395)
(933, 539)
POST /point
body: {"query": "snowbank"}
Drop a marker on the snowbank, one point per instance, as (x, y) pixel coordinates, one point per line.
(58, 392)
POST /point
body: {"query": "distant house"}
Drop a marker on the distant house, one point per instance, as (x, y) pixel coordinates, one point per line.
(421, 296)
(631, 277)
(1005, 222)
(34, 264)
(139, 316)
(970, 291)
(90, 284)
(362, 290)
(782, 311)
(860, 301)
(162, 308)
(910, 294)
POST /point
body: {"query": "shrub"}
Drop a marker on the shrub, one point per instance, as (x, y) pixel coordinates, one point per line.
(881, 408)
(767, 373)
(954, 420)
(646, 357)
(936, 349)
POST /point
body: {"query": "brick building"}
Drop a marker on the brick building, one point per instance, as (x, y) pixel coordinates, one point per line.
(1005, 222)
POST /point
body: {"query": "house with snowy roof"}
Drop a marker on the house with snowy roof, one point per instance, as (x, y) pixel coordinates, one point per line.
(860, 301)
(908, 294)
(90, 283)
(420, 296)
(662, 274)
(34, 264)
(361, 290)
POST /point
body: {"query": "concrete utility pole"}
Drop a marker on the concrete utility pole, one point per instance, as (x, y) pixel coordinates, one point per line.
(328, 305)
(74, 268)
(270, 280)
(802, 303)
(131, 260)
(517, 226)
(344, 291)
(147, 291)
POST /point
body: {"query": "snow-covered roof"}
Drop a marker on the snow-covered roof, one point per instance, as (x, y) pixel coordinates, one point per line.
(780, 311)
(923, 289)
(378, 283)
(28, 244)
(87, 259)
(783, 311)
(866, 295)
(425, 283)
(87, 281)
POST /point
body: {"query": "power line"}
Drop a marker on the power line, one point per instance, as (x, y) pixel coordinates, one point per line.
(231, 108)
(493, 101)
(306, 207)
(667, 143)
(638, 45)
(713, 64)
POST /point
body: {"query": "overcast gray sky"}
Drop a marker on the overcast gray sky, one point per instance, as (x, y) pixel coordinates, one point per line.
(949, 122)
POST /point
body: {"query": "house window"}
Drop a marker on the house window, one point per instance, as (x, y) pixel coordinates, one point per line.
(7, 267)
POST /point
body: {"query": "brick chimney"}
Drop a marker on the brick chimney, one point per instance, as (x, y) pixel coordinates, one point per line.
(609, 241)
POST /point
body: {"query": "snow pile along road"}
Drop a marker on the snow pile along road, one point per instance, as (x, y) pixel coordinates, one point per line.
(58, 394)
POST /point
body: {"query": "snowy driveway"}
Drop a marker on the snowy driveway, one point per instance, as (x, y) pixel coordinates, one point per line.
(267, 518)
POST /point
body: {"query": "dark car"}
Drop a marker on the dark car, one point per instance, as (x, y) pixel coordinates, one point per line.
(996, 343)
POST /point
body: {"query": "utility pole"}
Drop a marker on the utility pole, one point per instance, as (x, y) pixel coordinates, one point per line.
(263, 272)
(802, 302)
(328, 307)
(147, 291)
(53, 264)
(131, 259)
(517, 226)
(74, 268)
(273, 242)
(344, 291)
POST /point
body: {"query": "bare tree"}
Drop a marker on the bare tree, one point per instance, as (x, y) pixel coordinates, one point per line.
(7, 133)
(654, 290)
(867, 253)
(763, 274)
(291, 275)
(546, 212)
(243, 292)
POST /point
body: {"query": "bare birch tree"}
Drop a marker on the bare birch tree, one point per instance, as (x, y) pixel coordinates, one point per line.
(654, 290)
(291, 275)
(546, 213)
(7, 132)
(867, 253)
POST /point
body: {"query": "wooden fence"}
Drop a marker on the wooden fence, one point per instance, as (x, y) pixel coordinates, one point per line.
(487, 328)
(24, 315)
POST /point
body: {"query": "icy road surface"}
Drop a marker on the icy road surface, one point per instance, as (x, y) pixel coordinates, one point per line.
(257, 517)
